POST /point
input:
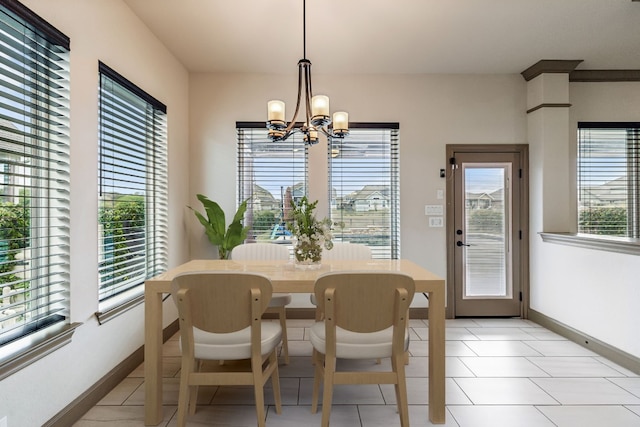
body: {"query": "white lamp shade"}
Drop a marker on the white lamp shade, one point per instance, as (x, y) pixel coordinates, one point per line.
(340, 120)
(275, 110)
(320, 105)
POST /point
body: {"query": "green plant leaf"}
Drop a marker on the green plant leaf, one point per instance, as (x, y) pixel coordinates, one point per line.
(214, 237)
(241, 210)
(214, 225)
(215, 214)
(236, 234)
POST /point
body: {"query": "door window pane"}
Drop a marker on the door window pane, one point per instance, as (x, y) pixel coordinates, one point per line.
(486, 215)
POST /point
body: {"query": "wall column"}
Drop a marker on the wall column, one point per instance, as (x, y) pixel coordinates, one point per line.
(549, 135)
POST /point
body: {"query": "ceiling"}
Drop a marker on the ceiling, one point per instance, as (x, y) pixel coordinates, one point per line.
(394, 36)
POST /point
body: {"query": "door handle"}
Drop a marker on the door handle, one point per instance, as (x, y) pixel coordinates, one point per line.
(459, 243)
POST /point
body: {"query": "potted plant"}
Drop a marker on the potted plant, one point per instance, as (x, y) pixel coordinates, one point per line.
(214, 224)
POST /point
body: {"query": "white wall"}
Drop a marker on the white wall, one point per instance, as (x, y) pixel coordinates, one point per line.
(593, 291)
(101, 30)
(432, 110)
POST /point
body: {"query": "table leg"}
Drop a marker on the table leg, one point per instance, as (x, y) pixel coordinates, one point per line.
(152, 357)
(436, 357)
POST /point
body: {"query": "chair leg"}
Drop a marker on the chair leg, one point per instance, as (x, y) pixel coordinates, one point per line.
(282, 313)
(258, 391)
(317, 379)
(398, 363)
(193, 394)
(183, 393)
(275, 381)
(327, 396)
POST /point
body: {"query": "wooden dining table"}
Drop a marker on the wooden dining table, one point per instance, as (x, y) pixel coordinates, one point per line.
(287, 277)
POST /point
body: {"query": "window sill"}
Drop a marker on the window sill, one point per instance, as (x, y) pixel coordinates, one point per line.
(623, 245)
(23, 352)
(120, 305)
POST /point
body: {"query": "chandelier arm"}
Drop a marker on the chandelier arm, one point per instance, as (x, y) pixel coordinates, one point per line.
(292, 123)
(308, 91)
(328, 132)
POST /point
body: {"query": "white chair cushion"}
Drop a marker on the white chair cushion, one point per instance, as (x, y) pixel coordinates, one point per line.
(356, 345)
(234, 345)
(279, 300)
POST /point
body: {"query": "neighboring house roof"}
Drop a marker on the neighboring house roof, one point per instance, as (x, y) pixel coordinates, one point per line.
(265, 198)
(6, 136)
(369, 191)
(496, 195)
(611, 192)
(298, 190)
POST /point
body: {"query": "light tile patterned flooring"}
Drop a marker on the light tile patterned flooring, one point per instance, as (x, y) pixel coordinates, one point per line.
(500, 372)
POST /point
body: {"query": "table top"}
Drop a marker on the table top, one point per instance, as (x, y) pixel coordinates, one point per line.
(287, 277)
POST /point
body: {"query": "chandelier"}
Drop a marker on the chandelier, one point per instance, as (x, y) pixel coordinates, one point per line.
(317, 117)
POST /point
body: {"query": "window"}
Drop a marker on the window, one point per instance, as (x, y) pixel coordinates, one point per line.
(364, 188)
(34, 177)
(133, 186)
(270, 175)
(609, 179)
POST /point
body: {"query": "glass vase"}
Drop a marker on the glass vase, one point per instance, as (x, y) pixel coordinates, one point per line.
(308, 254)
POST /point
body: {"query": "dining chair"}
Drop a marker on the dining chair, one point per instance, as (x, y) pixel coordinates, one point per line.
(344, 251)
(365, 317)
(221, 319)
(279, 301)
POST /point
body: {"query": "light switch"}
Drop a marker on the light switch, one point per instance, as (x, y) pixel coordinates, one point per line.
(436, 221)
(440, 194)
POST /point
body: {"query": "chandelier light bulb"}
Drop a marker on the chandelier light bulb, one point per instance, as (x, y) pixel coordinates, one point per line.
(340, 122)
(275, 111)
(320, 105)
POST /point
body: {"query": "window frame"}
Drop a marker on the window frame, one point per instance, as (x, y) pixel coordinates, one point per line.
(393, 171)
(590, 169)
(36, 105)
(245, 192)
(617, 244)
(132, 125)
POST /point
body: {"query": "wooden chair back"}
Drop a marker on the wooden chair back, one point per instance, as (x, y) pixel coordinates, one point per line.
(365, 301)
(223, 302)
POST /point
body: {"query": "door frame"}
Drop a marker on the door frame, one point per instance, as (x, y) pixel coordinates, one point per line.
(523, 151)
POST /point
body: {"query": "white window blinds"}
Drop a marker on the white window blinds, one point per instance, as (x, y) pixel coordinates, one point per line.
(270, 175)
(132, 210)
(34, 173)
(364, 187)
(609, 179)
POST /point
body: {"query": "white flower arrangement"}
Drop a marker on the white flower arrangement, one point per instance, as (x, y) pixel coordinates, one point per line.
(311, 234)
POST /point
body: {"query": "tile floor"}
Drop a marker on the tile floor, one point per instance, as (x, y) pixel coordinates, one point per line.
(500, 372)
